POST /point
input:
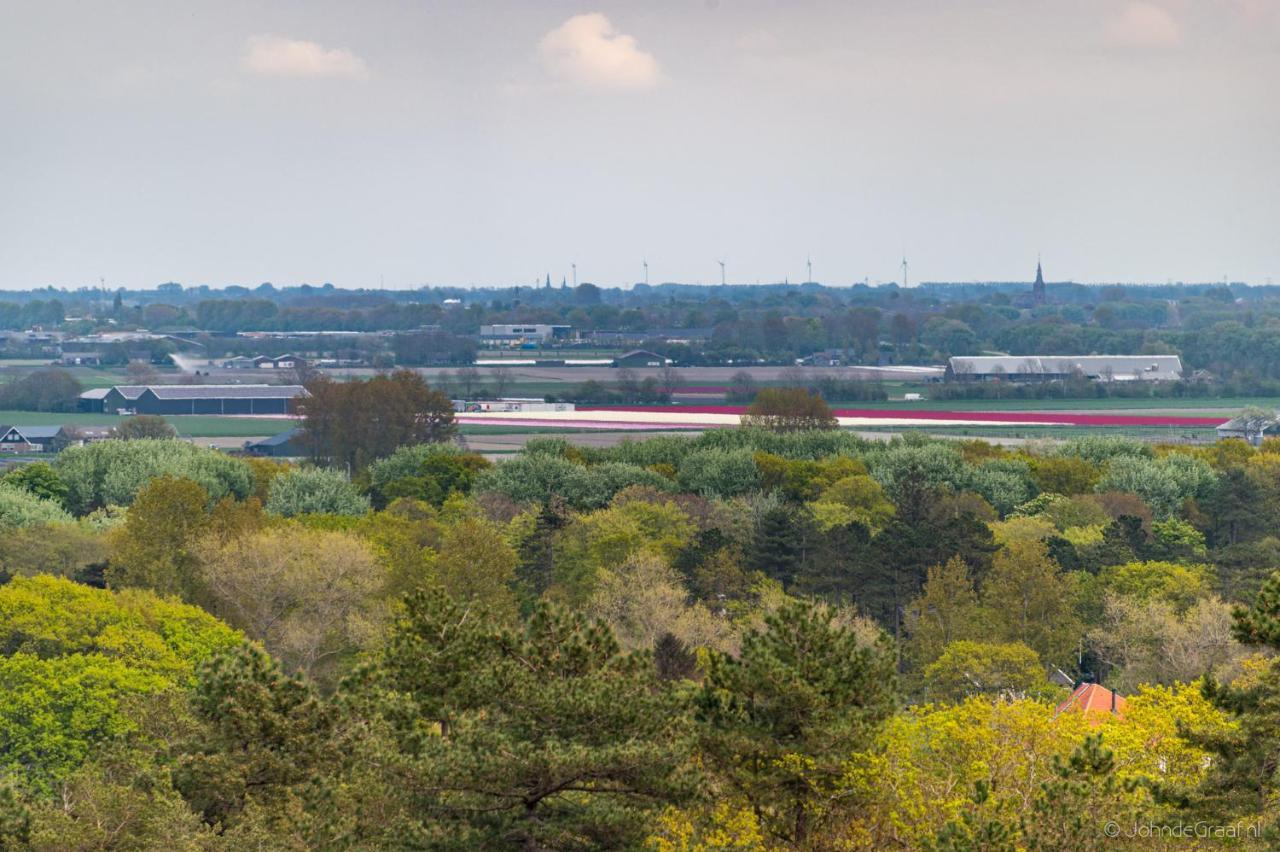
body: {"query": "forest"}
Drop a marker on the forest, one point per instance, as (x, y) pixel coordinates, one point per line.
(779, 636)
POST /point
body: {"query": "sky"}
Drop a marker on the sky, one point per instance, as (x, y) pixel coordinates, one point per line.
(493, 142)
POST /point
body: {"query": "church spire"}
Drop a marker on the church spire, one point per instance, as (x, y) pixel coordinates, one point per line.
(1038, 289)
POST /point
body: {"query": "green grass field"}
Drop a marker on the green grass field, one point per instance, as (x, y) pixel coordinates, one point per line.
(194, 426)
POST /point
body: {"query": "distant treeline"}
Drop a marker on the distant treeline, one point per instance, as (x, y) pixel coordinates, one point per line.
(1232, 332)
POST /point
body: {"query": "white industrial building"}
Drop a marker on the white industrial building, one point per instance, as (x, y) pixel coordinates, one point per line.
(514, 334)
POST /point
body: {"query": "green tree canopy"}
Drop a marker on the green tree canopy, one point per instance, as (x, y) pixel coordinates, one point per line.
(314, 491)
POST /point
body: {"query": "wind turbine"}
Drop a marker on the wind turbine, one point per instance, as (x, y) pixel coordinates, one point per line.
(721, 262)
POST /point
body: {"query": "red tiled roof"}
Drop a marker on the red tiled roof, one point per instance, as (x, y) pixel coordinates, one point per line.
(1093, 698)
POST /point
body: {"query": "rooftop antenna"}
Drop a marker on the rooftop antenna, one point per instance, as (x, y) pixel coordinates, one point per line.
(575, 275)
(721, 262)
(646, 271)
(808, 262)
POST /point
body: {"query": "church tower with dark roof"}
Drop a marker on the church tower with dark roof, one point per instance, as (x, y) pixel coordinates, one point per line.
(1037, 289)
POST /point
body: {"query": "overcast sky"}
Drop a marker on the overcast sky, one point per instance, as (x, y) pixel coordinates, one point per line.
(495, 142)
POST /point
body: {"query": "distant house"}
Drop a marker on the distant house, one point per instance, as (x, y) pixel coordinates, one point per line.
(284, 445)
(14, 440)
(78, 436)
(640, 358)
(195, 399)
(1092, 698)
(44, 438)
(1043, 368)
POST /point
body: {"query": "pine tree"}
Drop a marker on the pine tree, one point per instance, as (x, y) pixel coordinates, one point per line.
(552, 737)
(779, 547)
(778, 723)
(535, 571)
(15, 820)
(673, 658)
(263, 734)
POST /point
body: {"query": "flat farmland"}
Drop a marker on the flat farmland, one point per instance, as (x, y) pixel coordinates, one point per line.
(194, 426)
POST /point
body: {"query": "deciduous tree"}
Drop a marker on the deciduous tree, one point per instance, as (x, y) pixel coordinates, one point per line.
(350, 424)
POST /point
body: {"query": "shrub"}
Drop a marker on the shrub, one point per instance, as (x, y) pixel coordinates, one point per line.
(19, 507)
(537, 479)
(719, 473)
(315, 491)
(112, 472)
(429, 472)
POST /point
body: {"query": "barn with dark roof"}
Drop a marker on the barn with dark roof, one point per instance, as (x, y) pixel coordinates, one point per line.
(197, 399)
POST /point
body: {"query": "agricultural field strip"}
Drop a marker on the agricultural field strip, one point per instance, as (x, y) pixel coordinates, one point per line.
(696, 417)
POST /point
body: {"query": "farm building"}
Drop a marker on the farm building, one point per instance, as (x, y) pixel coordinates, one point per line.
(1044, 368)
(284, 445)
(1251, 427)
(263, 362)
(194, 399)
(111, 400)
(640, 358)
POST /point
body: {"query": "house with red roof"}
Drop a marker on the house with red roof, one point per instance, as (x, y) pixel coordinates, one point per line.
(1093, 698)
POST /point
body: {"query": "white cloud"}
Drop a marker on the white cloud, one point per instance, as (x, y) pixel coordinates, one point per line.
(1143, 25)
(273, 56)
(588, 51)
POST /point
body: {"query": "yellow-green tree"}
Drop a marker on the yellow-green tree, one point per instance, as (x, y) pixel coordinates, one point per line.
(1029, 601)
(153, 549)
(476, 564)
(985, 668)
(946, 611)
(312, 597)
